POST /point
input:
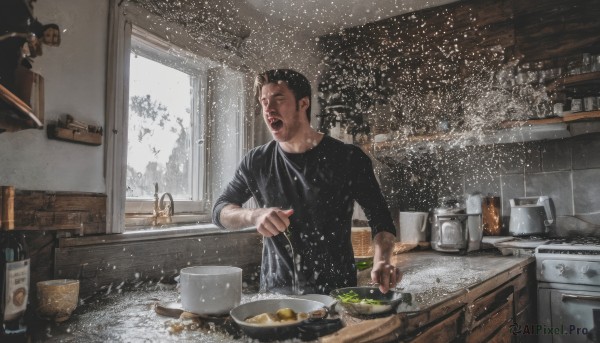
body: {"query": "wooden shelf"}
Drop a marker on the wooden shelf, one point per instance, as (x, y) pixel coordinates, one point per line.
(15, 114)
(581, 116)
(520, 130)
(575, 80)
(75, 136)
(567, 118)
(509, 132)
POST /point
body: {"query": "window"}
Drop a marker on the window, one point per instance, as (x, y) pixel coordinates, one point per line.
(167, 96)
(175, 117)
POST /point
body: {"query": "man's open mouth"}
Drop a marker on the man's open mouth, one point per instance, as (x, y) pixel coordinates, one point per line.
(275, 123)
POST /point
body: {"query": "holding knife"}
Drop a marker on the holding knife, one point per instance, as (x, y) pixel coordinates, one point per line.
(306, 184)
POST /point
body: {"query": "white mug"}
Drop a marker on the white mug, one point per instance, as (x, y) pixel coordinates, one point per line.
(412, 227)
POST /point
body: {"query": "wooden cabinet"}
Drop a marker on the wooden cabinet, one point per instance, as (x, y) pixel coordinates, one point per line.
(495, 316)
(489, 314)
(486, 312)
(21, 89)
(447, 330)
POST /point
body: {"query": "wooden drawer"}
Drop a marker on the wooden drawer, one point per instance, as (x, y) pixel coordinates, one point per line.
(525, 289)
(491, 322)
(502, 335)
(445, 331)
(481, 309)
(526, 317)
(523, 299)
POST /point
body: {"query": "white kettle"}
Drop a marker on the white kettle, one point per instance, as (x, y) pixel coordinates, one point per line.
(531, 216)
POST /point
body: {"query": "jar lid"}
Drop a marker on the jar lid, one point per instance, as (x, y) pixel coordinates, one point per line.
(449, 210)
(450, 201)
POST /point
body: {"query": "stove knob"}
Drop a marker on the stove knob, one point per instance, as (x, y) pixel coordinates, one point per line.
(561, 269)
(587, 271)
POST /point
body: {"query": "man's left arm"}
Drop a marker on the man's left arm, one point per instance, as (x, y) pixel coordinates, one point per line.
(386, 274)
(369, 197)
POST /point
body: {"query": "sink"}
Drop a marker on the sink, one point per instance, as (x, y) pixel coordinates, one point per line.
(148, 220)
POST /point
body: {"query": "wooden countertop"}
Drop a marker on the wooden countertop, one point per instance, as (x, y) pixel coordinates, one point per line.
(440, 282)
(434, 277)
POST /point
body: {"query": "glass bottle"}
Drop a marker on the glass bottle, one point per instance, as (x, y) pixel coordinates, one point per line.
(14, 273)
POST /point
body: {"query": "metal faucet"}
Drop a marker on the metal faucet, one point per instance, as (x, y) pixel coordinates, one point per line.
(162, 210)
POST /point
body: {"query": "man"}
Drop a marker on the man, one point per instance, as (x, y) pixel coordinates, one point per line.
(306, 184)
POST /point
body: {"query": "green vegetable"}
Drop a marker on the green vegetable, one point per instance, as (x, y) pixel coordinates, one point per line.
(353, 298)
(362, 265)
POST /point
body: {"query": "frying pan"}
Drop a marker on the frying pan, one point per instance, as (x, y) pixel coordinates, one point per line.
(389, 301)
(306, 329)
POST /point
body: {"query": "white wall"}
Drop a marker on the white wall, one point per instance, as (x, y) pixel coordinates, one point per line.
(74, 75)
(75, 83)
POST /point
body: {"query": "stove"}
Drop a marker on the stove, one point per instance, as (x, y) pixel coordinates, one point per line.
(568, 274)
(574, 241)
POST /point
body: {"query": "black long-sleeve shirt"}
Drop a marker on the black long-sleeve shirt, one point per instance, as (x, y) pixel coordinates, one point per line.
(320, 185)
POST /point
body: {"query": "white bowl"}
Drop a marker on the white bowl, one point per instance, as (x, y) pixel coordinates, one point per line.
(210, 290)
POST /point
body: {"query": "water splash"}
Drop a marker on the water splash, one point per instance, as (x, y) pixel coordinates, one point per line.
(130, 317)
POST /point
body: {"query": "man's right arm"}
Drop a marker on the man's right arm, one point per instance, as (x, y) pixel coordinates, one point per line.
(236, 217)
(228, 212)
(268, 221)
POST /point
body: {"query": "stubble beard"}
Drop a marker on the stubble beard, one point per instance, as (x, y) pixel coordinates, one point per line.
(289, 130)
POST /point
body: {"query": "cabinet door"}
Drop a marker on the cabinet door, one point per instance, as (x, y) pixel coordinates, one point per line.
(493, 324)
(488, 315)
(572, 315)
(445, 331)
(503, 335)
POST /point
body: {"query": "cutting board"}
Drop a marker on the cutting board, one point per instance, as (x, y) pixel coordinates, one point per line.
(491, 241)
(173, 309)
(366, 331)
(522, 243)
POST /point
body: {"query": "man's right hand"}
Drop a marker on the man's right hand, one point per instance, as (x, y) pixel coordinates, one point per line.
(271, 221)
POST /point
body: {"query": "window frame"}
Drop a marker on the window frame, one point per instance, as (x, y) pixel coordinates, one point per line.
(123, 16)
(154, 48)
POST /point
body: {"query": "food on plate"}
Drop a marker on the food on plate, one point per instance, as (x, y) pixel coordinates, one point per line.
(282, 316)
(286, 314)
(353, 298)
(263, 318)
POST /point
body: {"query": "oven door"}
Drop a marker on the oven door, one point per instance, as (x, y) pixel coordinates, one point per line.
(572, 315)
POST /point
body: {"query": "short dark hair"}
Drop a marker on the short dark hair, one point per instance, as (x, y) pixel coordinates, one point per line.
(296, 82)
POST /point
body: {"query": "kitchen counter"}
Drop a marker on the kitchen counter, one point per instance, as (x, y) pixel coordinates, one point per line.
(439, 283)
(474, 298)
(433, 277)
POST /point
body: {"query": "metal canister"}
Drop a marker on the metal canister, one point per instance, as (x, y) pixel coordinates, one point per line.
(492, 216)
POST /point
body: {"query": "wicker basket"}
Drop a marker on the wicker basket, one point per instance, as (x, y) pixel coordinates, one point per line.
(361, 241)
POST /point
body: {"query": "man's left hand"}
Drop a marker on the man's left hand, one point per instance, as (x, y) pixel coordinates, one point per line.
(386, 275)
